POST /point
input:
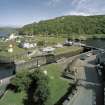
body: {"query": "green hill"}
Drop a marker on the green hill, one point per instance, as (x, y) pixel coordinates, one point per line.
(67, 25)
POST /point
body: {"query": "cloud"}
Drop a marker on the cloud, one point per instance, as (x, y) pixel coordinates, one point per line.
(78, 2)
(86, 12)
(53, 2)
(77, 13)
(87, 7)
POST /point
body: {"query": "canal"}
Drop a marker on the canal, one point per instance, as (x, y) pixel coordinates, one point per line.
(6, 70)
(99, 43)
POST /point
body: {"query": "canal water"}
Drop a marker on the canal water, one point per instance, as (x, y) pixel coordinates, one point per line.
(3, 34)
(99, 43)
(4, 72)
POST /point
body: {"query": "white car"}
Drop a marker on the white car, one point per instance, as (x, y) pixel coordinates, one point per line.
(89, 54)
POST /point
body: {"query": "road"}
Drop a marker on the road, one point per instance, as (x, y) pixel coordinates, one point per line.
(90, 92)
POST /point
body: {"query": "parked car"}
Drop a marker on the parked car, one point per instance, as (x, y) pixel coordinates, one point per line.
(83, 57)
(68, 43)
(88, 54)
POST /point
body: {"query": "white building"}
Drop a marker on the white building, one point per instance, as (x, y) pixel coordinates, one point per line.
(12, 37)
(68, 43)
(48, 49)
(28, 45)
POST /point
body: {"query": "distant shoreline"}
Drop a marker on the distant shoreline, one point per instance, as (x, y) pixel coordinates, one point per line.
(3, 34)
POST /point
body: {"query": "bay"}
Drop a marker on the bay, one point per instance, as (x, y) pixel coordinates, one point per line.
(3, 34)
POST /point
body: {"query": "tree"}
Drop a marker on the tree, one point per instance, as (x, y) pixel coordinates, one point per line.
(36, 85)
(38, 91)
(21, 81)
(68, 25)
(40, 43)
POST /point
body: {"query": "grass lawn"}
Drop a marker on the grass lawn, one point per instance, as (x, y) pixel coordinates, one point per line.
(4, 50)
(52, 39)
(48, 40)
(67, 49)
(15, 54)
(58, 86)
(11, 98)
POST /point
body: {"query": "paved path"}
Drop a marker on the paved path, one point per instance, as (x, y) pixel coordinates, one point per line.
(84, 97)
(90, 92)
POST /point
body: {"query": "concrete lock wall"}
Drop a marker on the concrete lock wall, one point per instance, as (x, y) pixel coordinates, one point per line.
(5, 81)
(3, 85)
(45, 59)
(34, 62)
(31, 64)
(37, 61)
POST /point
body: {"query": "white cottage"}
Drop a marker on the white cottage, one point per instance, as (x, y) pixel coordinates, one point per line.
(48, 49)
(28, 45)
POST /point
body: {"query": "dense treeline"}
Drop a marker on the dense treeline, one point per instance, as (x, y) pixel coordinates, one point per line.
(67, 25)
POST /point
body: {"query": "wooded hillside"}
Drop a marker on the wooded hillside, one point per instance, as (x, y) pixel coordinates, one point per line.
(67, 25)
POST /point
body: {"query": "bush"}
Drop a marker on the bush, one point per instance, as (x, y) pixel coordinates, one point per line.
(21, 81)
(40, 43)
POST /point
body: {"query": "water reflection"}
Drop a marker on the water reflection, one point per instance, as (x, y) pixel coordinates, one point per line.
(4, 72)
(100, 43)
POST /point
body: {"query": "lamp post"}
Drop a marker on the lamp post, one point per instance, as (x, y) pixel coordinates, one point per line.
(10, 50)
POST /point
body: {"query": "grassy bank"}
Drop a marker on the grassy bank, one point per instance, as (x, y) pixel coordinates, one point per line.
(58, 87)
(11, 98)
(67, 50)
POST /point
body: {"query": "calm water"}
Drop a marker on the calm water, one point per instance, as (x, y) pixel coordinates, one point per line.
(3, 34)
(96, 43)
(5, 72)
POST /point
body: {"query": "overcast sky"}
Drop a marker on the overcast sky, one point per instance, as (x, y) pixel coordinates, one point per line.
(21, 12)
